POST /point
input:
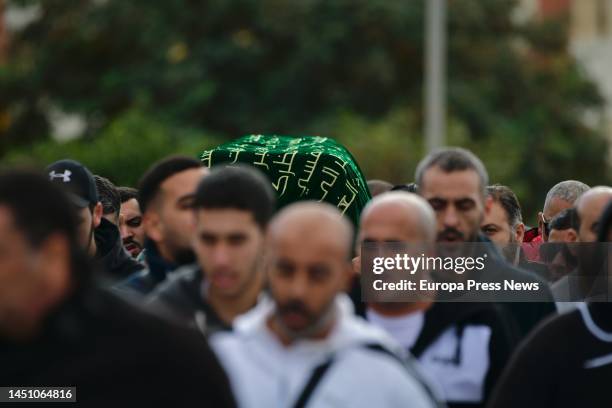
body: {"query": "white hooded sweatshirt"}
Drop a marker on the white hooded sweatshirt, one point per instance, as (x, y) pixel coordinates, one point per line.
(266, 374)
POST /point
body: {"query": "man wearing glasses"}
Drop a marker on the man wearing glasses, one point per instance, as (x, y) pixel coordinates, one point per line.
(563, 195)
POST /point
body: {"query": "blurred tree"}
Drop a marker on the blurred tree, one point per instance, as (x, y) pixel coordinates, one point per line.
(122, 152)
(345, 68)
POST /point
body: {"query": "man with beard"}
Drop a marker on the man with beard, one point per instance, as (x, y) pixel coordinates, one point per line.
(232, 207)
(571, 287)
(130, 221)
(557, 252)
(58, 329)
(98, 236)
(503, 225)
(166, 197)
(461, 347)
(308, 348)
(453, 181)
(567, 361)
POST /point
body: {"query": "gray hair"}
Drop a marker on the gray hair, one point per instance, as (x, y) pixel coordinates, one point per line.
(568, 190)
(451, 159)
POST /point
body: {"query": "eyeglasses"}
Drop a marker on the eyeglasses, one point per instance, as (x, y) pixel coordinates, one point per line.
(546, 224)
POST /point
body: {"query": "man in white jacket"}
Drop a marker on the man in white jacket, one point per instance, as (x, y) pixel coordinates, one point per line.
(306, 347)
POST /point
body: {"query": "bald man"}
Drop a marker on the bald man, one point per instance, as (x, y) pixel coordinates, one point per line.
(306, 347)
(462, 347)
(590, 206)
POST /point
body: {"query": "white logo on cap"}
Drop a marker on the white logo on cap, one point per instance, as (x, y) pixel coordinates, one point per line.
(65, 176)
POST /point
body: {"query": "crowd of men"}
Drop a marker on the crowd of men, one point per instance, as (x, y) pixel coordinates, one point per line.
(195, 289)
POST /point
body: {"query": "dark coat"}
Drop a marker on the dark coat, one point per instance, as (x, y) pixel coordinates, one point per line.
(117, 356)
(111, 256)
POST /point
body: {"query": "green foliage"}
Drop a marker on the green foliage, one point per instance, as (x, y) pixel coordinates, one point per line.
(122, 152)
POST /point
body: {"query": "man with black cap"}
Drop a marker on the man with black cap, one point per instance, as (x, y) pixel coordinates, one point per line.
(59, 330)
(99, 237)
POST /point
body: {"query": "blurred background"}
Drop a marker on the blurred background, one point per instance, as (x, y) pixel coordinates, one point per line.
(118, 84)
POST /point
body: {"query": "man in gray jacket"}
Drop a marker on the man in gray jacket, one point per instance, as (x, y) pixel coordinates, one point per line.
(232, 207)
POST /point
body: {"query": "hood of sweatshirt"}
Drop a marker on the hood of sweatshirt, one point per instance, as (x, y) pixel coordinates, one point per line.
(349, 330)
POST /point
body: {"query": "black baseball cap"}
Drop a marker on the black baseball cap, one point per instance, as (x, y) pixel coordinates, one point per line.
(76, 179)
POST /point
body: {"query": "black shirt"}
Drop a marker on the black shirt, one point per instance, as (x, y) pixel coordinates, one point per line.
(117, 356)
(567, 362)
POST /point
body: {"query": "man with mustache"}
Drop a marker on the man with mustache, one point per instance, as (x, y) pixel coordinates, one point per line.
(130, 221)
(232, 207)
(453, 181)
(308, 348)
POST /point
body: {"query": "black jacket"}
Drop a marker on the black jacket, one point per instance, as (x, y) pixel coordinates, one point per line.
(117, 356)
(181, 299)
(527, 314)
(111, 256)
(155, 272)
(442, 316)
(564, 363)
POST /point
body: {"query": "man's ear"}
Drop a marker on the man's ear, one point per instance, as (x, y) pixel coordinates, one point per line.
(571, 235)
(540, 224)
(356, 265)
(153, 226)
(519, 234)
(96, 215)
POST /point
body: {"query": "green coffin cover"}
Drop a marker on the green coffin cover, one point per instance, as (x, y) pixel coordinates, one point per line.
(300, 168)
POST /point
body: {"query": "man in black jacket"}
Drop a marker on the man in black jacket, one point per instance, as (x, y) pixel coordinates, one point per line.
(453, 181)
(567, 361)
(97, 235)
(461, 347)
(58, 330)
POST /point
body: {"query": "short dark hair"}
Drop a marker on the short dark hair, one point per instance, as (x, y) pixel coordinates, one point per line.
(509, 202)
(108, 195)
(451, 159)
(39, 207)
(149, 184)
(127, 193)
(566, 219)
(238, 187)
